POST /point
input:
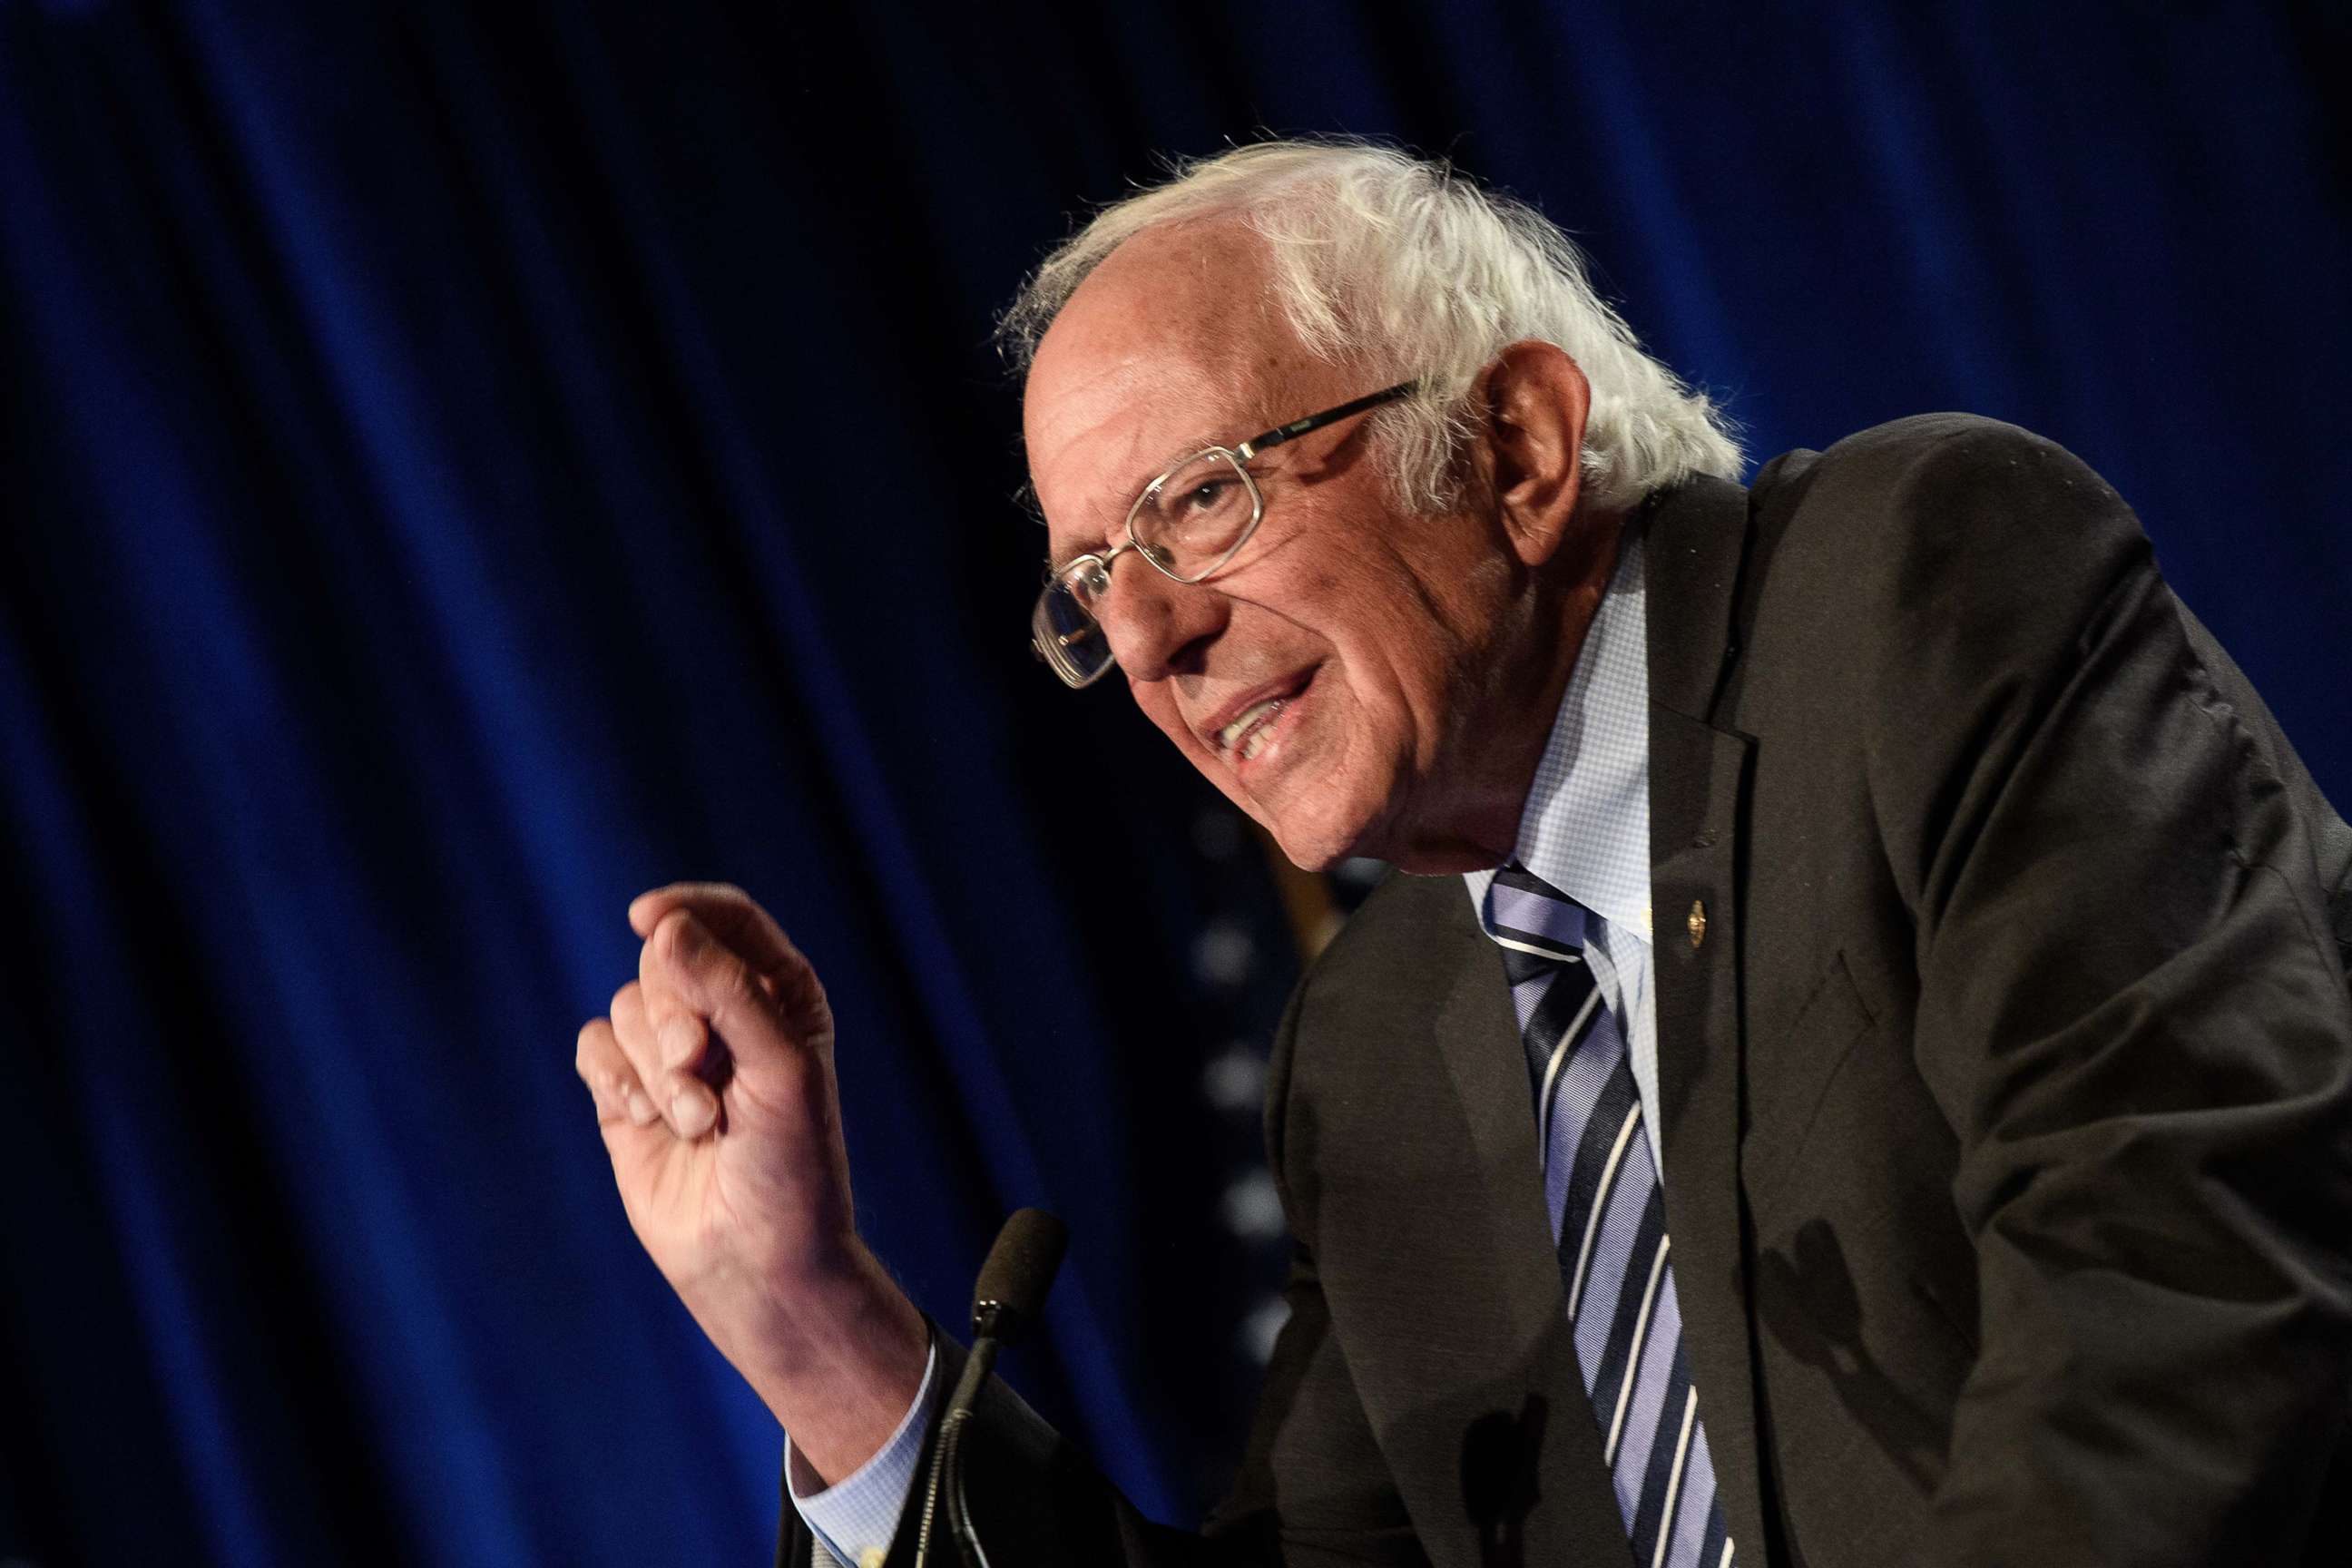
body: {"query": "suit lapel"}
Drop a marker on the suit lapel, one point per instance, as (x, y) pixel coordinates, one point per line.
(1698, 784)
(1477, 1036)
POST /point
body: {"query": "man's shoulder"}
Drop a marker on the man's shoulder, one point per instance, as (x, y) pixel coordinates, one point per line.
(1931, 510)
(1929, 467)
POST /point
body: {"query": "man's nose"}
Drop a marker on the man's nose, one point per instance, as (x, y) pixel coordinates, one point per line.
(1156, 626)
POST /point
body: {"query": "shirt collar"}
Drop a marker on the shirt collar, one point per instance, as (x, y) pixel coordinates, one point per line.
(1586, 825)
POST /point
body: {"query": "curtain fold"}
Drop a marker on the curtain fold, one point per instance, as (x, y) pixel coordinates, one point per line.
(466, 465)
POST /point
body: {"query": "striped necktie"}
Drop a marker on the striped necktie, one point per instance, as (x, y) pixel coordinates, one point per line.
(1609, 1224)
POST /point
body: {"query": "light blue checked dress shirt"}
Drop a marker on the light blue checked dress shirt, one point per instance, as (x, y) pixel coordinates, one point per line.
(1586, 825)
(1585, 830)
(855, 1518)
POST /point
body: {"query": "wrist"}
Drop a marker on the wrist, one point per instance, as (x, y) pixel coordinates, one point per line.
(840, 1364)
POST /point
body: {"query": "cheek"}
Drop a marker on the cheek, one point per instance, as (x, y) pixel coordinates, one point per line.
(1400, 646)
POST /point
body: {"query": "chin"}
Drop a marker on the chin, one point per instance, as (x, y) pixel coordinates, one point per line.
(1316, 840)
(1310, 854)
(1318, 833)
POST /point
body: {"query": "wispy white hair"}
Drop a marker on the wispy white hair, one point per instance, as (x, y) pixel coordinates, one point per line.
(1399, 267)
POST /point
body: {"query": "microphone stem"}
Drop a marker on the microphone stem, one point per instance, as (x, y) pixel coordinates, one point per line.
(960, 1523)
(946, 1468)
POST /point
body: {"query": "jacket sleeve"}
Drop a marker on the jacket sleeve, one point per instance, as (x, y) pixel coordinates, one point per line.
(2132, 1012)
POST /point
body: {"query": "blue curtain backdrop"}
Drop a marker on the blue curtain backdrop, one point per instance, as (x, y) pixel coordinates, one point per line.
(465, 464)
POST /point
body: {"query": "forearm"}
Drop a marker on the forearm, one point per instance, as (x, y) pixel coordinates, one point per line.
(840, 1372)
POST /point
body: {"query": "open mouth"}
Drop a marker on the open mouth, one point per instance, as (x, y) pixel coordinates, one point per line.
(1247, 734)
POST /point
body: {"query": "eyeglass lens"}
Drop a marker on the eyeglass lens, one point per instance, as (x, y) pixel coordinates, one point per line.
(1195, 517)
(1068, 636)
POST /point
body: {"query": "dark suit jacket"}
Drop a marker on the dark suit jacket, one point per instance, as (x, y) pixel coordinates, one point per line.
(2006, 1083)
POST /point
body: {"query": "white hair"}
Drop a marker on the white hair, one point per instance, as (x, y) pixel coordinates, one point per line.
(1399, 267)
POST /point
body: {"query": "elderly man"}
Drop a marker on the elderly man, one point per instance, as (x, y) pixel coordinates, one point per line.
(1858, 1067)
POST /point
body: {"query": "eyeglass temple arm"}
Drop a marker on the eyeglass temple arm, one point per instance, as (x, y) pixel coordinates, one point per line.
(1297, 428)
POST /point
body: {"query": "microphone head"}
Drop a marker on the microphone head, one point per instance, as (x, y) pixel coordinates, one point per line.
(1019, 1271)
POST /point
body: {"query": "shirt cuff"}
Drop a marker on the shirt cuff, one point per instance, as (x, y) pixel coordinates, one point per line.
(855, 1517)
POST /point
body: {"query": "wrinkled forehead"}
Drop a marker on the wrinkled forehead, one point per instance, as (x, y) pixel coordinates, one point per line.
(1175, 341)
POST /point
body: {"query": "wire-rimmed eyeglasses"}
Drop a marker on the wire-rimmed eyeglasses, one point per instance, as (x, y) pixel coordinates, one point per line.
(1187, 523)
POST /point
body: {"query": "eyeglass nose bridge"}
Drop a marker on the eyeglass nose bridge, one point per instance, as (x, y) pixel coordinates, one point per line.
(1093, 602)
(1103, 565)
(1132, 543)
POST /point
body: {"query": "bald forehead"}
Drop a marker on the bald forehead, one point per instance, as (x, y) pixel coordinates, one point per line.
(1175, 336)
(1202, 284)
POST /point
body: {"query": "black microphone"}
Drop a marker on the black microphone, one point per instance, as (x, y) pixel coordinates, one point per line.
(1005, 1304)
(1011, 1291)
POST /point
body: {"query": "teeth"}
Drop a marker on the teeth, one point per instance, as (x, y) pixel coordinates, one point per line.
(1254, 714)
(1258, 742)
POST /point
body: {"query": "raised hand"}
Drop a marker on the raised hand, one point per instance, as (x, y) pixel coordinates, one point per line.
(713, 1078)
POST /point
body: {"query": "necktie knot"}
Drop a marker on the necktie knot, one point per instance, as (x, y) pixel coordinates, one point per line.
(1528, 916)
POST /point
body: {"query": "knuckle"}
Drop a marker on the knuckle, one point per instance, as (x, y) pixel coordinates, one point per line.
(678, 1036)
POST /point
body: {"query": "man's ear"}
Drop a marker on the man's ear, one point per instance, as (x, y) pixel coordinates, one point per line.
(1536, 399)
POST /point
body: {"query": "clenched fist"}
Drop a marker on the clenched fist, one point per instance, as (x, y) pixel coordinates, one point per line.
(714, 1086)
